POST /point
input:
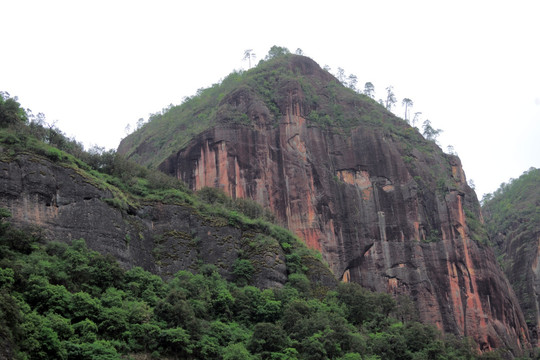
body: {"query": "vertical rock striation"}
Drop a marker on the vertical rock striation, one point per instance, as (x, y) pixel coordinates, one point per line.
(386, 208)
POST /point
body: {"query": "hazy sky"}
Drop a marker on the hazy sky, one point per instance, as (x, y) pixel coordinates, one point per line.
(471, 67)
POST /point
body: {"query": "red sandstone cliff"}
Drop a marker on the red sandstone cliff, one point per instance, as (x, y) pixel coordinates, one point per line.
(386, 208)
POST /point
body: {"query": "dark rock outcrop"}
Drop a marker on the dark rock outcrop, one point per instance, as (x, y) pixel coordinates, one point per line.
(160, 238)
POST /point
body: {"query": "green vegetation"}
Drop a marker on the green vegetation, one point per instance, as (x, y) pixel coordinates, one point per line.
(477, 230)
(67, 302)
(430, 133)
(11, 112)
(515, 207)
(433, 236)
(250, 208)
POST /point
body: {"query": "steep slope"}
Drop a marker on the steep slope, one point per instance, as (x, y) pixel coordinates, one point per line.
(512, 216)
(386, 208)
(162, 236)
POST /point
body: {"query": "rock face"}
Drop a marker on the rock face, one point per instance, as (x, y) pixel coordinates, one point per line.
(160, 238)
(512, 217)
(522, 267)
(386, 208)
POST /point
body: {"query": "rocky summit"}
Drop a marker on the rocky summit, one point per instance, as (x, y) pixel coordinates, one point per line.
(385, 207)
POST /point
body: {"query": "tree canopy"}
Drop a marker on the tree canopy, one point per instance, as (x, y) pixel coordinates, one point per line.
(430, 133)
(276, 51)
(11, 112)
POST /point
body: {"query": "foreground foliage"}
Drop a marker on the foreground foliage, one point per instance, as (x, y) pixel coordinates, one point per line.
(67, 302)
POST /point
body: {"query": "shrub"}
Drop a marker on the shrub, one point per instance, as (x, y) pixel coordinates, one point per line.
(267, 338)
(54, 154)
(236, 352)
(117, 203)
(213, 195)
(243, 271)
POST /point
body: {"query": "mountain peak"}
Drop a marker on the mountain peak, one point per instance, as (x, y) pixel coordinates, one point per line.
(299, 64)
(385, 207)
(261, 96)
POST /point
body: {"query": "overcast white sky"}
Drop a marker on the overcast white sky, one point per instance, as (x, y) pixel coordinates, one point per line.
(471, 67)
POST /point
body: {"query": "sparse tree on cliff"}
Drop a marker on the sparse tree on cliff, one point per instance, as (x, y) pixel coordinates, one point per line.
(369, 89)
(407, 103)
(341, 75)
(353, 80)
(276, 51)
(299, 52)
(390, 98)
(327, 68)
(430, 133)
(248, 55)
(11, 111)
(140, 123)
(416, 118)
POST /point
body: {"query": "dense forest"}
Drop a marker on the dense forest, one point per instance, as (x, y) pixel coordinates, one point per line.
(65, 301)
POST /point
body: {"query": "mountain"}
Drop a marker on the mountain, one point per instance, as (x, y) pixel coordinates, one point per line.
(512, 217)
(385, 207)
(59, 299)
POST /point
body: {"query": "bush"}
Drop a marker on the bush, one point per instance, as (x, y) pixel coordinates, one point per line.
(54, 154)
(213, 195)
(243, 271)
(249, 208)
(236, 352)
(300, 282)
(117, 203)
(267, 338)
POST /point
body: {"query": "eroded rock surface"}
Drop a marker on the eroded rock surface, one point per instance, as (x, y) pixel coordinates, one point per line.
(387, 213)
(160, 238)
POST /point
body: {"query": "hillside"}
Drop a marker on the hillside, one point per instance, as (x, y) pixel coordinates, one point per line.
(61, 300)
(512, 217)
(385, 207)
